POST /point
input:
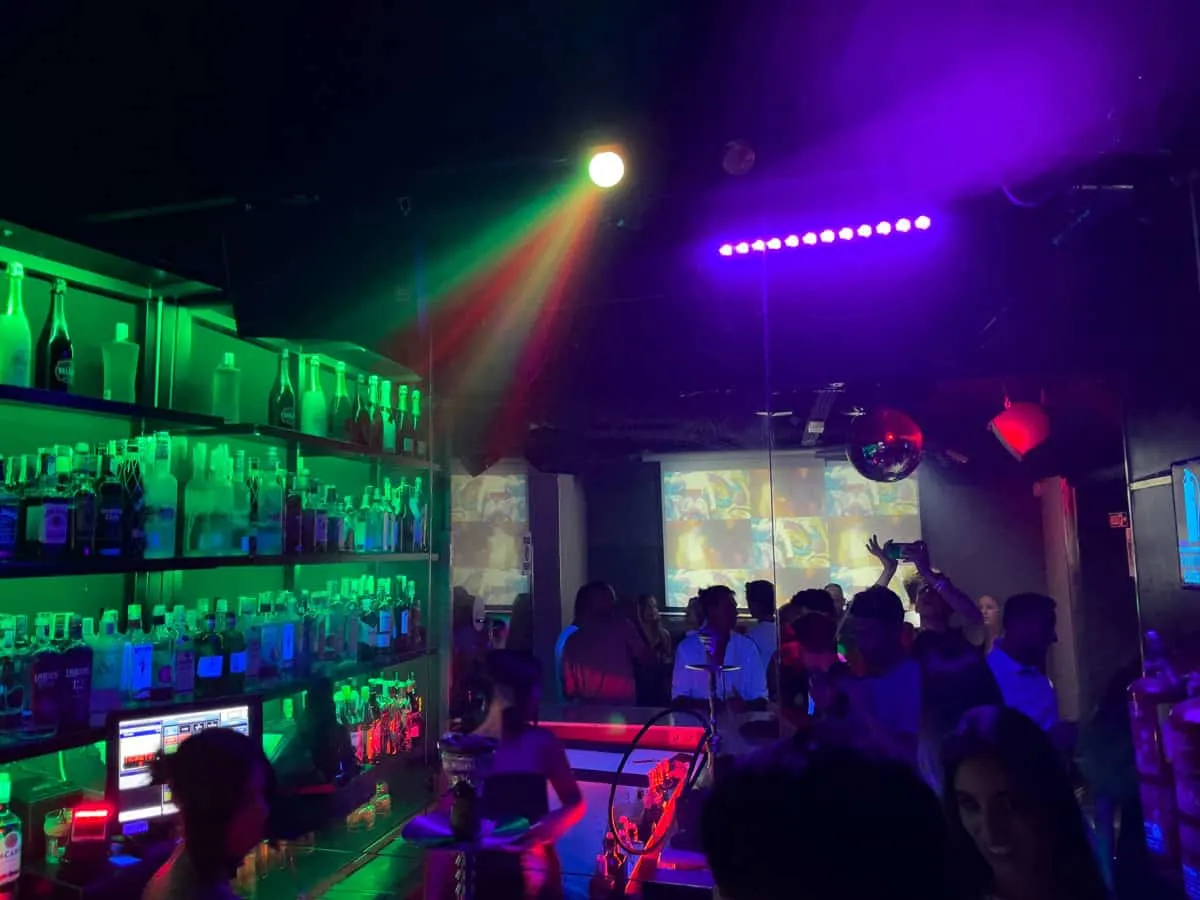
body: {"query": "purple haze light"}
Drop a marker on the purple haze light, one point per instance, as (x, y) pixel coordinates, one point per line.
(827, 236)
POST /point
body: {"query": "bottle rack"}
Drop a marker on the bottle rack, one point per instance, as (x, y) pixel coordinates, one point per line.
(164, 313)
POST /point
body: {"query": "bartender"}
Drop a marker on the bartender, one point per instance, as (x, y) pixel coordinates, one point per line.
(744, 687)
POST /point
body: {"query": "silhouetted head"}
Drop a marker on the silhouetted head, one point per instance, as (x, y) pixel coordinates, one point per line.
(760, 598)
(221, 781)
(515, 687)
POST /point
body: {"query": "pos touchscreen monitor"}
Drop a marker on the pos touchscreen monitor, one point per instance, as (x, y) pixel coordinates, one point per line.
(136, 737)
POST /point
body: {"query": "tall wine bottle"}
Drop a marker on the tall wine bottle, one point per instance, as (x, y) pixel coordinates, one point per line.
(55, 366)
(282, 407)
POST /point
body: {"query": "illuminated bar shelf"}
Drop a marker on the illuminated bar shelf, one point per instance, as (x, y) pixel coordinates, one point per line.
(14, 748)
(107, 566)
(78, 403)
(310, 445)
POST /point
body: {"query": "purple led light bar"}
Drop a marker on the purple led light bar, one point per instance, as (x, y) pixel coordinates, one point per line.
(826, 236)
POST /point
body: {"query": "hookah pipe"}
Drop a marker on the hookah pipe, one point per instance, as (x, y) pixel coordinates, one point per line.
(706, 752)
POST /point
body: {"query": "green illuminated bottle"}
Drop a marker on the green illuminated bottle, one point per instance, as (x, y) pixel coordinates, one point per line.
(16, 340)
(404, 435)
(421, 449)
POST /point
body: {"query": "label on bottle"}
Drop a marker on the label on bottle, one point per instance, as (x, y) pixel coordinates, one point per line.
(44, 693)
(321, 529)
(55, 525)
(210, 667)
(9, 519)
(287, 416)
(407, 446)
(421, 449)
(287, 642)
(404, 622)
(164, 675)
(185, 671)
(10, 857)
(141, 669)
(64, 371)
(383, 637)
(237, 663)
(253, 651)
(18, 367)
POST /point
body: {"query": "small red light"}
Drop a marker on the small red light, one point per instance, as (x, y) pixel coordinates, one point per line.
(90, 811)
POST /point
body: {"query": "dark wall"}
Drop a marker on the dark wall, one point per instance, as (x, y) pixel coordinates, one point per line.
(1161, 428)
(624, 526)
(986, 536)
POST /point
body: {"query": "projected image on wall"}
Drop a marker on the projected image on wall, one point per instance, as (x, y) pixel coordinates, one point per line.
(806, 527)
(1186, 482)
(489, 519)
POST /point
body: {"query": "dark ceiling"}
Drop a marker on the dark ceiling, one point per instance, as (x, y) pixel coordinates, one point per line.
(319, 108)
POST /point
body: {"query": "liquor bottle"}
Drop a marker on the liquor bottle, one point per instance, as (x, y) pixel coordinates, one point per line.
(420, 512)
(185, 653)
(162, 651)
(240, 515)
(421, 447)
(335, 521)
(248, 615)
(83, 487)
(137, 667)
(45, 673)
(272, 637)
(220, 540)
(404, 518)
(293, 517)
(109, 540)
(281, 409)
(285, 614)
(375, 416)
(362, 412)
(388, 504)
(161, 490)
(133, 522)
(120, 361)
(227, 390)
(341, 408)
(210, 658)
(197, 504)
(269, 518)
(234, 649)
(108, 649)
(10, 840)
(388, 412)
(15, 338)
(404, 434)
(55, 361)
(253, 480)
(56, 532)
(10, 512)
(76, 684)
(314, 414)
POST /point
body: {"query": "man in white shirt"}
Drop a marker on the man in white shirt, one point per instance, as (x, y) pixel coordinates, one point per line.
(747, 684)
(1018, 659)
(760, 597)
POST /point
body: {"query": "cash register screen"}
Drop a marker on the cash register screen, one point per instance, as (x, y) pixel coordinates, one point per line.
(139, 738)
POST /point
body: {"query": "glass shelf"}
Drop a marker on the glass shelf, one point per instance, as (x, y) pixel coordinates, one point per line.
(310, 445)
(14, 747)
(78, 403)
(107, 566)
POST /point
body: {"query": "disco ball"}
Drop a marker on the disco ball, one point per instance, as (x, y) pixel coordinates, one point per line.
(885, 445)
(738, 158)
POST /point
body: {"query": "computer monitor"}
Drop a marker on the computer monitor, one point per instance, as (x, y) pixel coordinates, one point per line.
(136, 737)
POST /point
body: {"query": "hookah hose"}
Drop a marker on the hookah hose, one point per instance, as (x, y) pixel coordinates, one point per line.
(702, 752)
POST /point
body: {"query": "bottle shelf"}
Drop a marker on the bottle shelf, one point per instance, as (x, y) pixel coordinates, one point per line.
(117, 566)
(14, 748)
(311, 445)
(78, 403)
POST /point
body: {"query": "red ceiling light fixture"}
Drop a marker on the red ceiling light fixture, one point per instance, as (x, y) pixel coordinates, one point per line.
(1021, 427)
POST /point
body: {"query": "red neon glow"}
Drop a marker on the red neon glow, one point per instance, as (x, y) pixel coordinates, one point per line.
(1021, 427)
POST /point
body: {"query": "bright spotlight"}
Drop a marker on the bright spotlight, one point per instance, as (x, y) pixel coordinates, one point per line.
(606, 169)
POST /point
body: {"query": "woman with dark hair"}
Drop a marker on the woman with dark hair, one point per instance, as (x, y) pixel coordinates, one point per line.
(1016, 831)
(951, 685)
(527, 759)
(220, 780)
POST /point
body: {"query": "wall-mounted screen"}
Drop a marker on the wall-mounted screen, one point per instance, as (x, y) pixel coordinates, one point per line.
(800, 523)
(489, 524)
(1185, 480)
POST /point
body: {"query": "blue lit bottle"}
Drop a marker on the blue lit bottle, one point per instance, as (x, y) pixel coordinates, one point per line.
(161, 497)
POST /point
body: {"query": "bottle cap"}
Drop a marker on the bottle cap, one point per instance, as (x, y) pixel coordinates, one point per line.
(16, 270)
(5, 786)
(122, 331)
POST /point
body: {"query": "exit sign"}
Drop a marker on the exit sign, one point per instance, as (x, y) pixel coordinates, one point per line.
(1118, 520)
